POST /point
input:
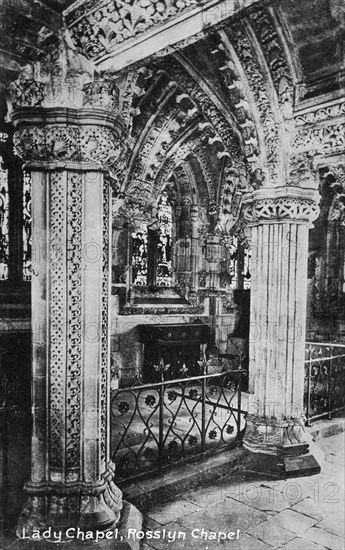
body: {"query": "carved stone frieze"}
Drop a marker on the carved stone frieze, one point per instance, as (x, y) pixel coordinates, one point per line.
(321, 140)
(98, 27)
(320, 114)
(189, 310)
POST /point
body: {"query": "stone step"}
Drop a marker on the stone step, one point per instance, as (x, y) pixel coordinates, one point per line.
(298, 466)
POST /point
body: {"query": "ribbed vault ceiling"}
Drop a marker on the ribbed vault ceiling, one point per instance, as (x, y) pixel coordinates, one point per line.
(213, 116)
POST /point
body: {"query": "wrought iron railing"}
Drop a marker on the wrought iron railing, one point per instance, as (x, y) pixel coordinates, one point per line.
(155, 425)
(324, 380)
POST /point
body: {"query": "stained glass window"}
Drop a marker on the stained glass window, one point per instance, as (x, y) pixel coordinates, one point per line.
(152, 249)
(4, 227)
(139, 256)
(26, 226)
(164, 270)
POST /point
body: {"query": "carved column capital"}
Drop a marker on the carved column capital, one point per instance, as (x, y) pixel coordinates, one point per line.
(281, 205)
(63, 135)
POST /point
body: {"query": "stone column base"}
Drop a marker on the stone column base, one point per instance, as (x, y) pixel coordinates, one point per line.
(60, 506)
(276, 437)
(285, 439)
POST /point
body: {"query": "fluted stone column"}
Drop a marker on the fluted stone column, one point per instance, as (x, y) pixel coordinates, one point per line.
(67, 151)
(280, 220)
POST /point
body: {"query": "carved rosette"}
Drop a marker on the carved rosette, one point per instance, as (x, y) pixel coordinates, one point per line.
(67, 135)
(281, 205)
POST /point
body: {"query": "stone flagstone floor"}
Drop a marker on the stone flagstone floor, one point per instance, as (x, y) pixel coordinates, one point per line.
(304, 513)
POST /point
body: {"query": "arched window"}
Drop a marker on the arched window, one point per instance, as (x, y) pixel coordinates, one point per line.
(152, 249)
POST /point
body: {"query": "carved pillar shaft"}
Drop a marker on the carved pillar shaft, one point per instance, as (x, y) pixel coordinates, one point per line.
(280, 223)
(71, 478)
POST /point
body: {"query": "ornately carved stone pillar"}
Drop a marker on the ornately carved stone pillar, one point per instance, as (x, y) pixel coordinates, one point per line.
(280, 220)
(67, 151)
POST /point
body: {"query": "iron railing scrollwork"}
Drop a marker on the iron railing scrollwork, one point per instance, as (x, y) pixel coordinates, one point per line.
(324, 380)
(155, 425)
